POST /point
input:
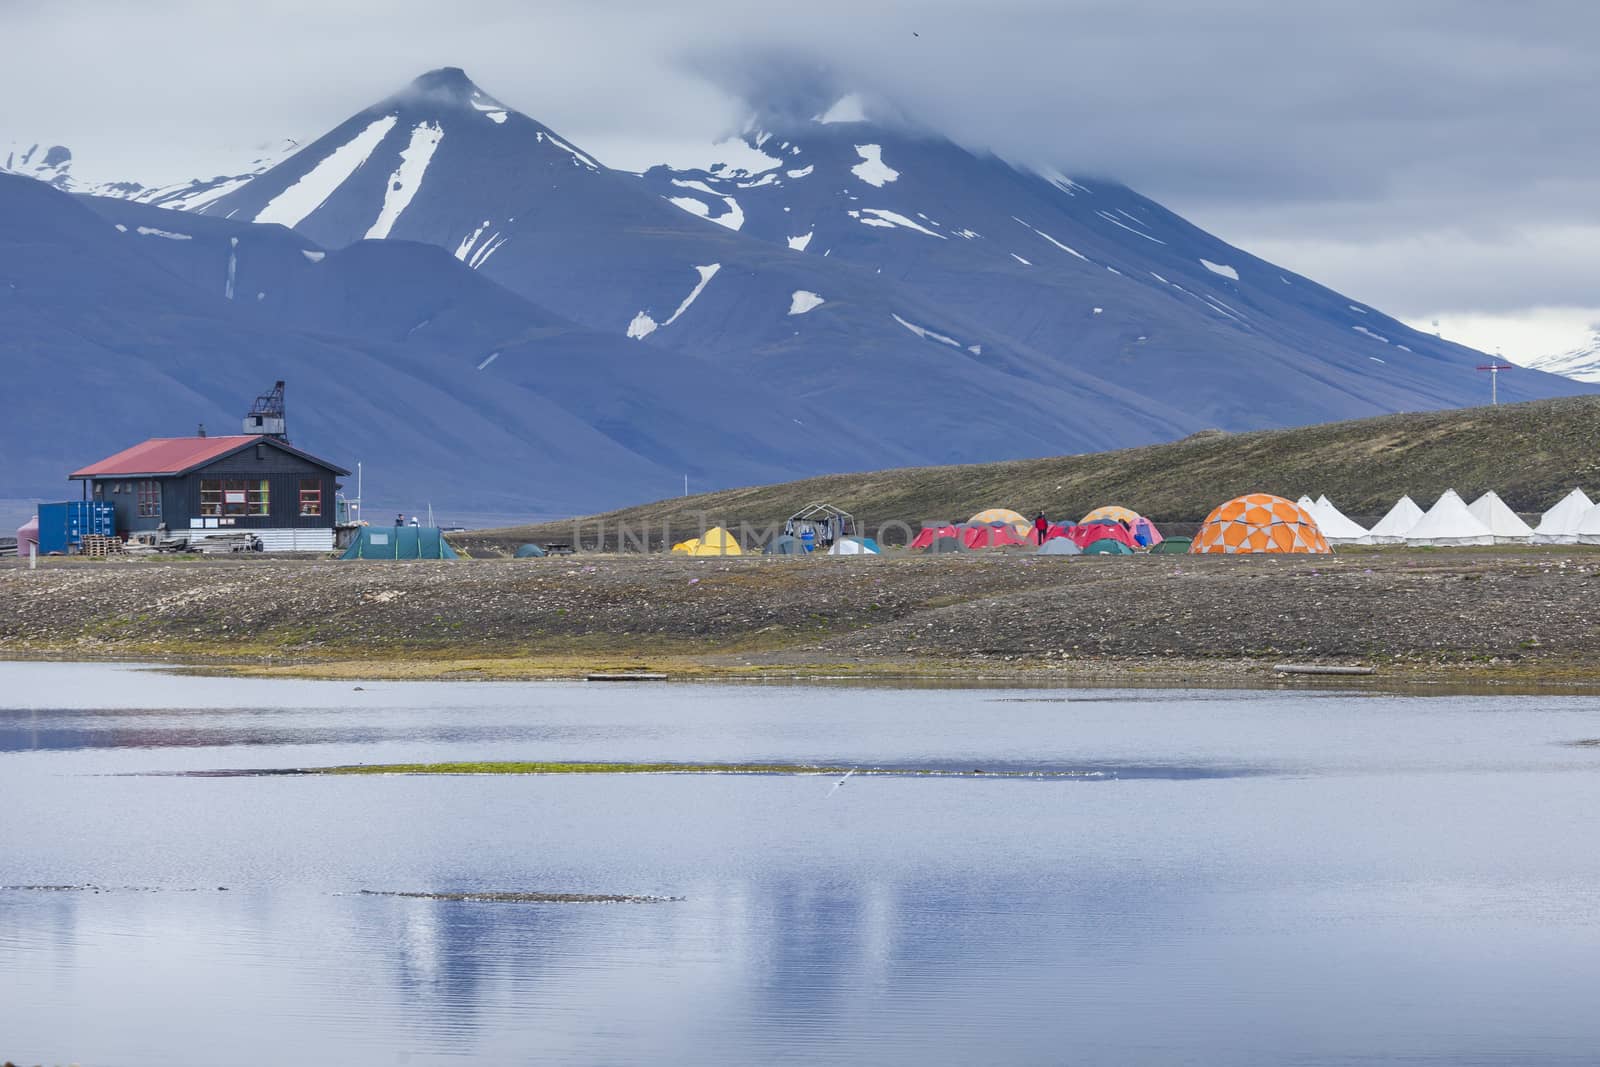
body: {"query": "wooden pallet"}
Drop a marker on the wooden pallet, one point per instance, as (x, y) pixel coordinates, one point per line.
(99, 546)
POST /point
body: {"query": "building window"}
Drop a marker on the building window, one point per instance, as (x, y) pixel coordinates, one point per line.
(149, 500)
(234, 497)
(310, 497)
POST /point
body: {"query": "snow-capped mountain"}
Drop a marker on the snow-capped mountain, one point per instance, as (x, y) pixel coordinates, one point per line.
(51, 164)
(1078, 312)
(873, 297)
(54, 165)
(1581, 364)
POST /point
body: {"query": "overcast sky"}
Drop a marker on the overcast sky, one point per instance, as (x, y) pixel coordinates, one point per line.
(1436, 158)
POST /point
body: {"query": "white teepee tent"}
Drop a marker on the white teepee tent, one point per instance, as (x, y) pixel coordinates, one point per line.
(1507, 527)
(1560, 524)
(1449, 522)
(1336, 527)
(1589, 527)
(1393, 527)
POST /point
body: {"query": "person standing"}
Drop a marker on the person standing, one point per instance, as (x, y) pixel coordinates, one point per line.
(1041, 527)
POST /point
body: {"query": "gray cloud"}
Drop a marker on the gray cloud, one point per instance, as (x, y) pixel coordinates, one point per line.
(1430, 153)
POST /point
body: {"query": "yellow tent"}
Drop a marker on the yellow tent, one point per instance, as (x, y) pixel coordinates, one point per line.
(1005, 515)
(686, 548)
(716, 542)
(1114, 512)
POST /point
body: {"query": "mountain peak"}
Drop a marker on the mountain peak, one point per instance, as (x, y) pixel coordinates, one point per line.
(447, 86)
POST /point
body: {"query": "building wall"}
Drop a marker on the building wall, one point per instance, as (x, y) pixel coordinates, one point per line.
(180, 496)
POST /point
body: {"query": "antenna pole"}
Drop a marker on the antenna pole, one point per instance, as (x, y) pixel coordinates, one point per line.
(1494, 370)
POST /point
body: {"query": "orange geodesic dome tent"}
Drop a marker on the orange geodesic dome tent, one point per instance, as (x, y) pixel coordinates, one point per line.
(1259, 522)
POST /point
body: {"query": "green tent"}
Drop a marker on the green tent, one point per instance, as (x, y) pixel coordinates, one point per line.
(1175, 546)
(529, 552)
(1107, 547)
(399, 542)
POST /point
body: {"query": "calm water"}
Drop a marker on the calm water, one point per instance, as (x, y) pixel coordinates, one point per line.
(1254, 877)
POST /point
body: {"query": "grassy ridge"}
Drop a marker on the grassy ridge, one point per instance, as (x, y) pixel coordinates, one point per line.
(1531, 454)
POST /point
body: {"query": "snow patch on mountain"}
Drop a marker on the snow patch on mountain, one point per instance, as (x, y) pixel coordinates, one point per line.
(925, 333)
(582, 159)
(803, 172)
(464, 249)
(407, 177)
(799, 243)
(848, 108)
(872, 169)
(886, 219)
(732, 217)
(643, 325)
(1109, 217)
(691, 205)
(1369, 333)
(493, 110)
(151, 231)
(1220, 268)
(801, 301)
(1019, 259)
(291, 207)
(1065, 248)
(1061, 181)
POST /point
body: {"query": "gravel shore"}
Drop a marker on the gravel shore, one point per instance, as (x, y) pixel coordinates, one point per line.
(1528, 614)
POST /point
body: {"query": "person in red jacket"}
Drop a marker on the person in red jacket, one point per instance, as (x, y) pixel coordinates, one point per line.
(1041, 527)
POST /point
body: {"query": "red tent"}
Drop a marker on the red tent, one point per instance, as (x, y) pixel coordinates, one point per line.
(926, 535)
(972, 537)
(996, 536)
(1084, 535)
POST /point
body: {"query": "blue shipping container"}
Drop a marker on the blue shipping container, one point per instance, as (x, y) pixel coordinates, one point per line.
(62, 526)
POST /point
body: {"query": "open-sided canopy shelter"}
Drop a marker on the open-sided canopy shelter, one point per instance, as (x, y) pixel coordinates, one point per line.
(1259, 522)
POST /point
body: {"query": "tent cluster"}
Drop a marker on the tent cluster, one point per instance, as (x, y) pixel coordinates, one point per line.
(1107, 530)
(1452, 521)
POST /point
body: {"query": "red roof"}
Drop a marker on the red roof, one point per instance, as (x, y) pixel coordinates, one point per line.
(175, 455)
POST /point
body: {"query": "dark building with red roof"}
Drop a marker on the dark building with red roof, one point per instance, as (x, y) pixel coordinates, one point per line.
(204, 485)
